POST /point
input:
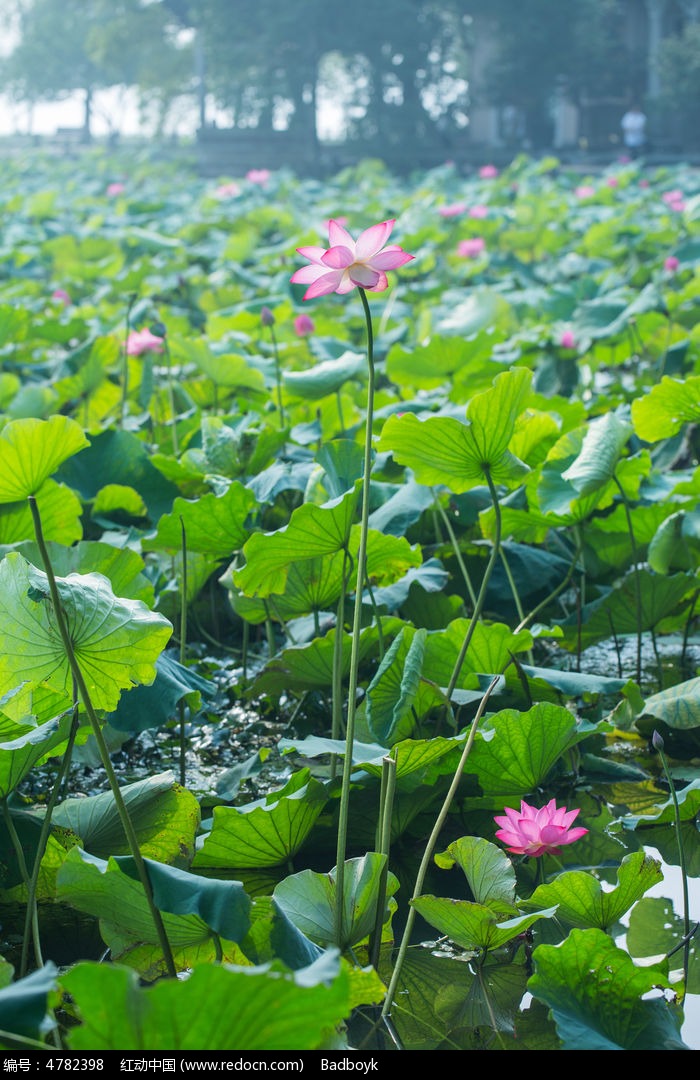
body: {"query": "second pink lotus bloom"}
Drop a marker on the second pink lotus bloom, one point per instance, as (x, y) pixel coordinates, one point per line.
(532, 831)
(349, 263)
(140, 341)
(472, 248)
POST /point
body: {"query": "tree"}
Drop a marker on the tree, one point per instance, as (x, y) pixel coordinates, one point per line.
(87, 45)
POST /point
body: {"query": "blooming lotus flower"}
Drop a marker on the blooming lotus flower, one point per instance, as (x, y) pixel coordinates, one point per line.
(567, 340)
(534, 832)
(228, 190)
(670, 197)
(671, 263)
(140, 341)
(348, 263)
(303, 326)
(584, 191)
(452, 210)
(479, 211)
(488, 172)
(62, 295)
(115, 189)
(612, 181)
(472, 248)
(258, 176)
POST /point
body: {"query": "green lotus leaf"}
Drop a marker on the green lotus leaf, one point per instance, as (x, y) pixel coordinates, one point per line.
(392, 691)
(165, 817)
(324, 378)
(24, 744)
(308, 900)
(603, 443)
(24, 1007)
(261, 836)
(474, 926)
(442, 450)
(312, 531)
(488, 870)
(60, 511)
(304, 667)
(664, 410)
(595, 993)
(116, 641)
(32, 450)
(214, 524)
(226, 1009)
(122, 566)
(107, 891)
(520, 750)
(616, 612)
(582, 902)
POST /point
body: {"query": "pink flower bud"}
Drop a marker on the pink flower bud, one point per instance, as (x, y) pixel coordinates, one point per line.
(567, 340)
(671, 263)
(472, 248)
(304, 325)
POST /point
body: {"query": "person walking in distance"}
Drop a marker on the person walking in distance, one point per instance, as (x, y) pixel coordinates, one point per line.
(634, 124)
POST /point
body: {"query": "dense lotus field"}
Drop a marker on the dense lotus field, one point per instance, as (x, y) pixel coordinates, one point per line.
(349, 655)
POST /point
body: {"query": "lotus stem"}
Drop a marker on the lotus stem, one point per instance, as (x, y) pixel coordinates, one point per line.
(44, 836)
(344, 814)
(125, 366)
(455, 547)
(430, 846)
(383, 845)
(637, 582)
(183, 648)
(658, 744)
(84, 693)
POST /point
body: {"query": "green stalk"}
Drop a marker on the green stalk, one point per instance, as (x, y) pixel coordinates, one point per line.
(384, 848)
(84, 693)
(171, 396)
(356, 626)
(337, 675)
(516, 597)
(430, 846)
(183, 648)
(637, 582)
(44, 837)
(455, 547)
(24, 871)
(125, 366)
(278, 377)
(658, 744)
(481, 599)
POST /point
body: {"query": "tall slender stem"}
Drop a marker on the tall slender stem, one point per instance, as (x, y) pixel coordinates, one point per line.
(481, 598)
(658, 744)
(455, 547)
(24, 871)
(183, 648)
(44, 836)
(84, 693)
(337, 676)
(125, 366)
(344, 814)
(637, 582)
(430, 846)
(171, 396)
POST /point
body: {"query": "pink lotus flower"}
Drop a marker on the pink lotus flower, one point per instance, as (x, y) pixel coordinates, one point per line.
(115, 189)
(672, 196)
(567, 340)
(584, 191)
(140, 341)
(452, 210)
(644, 182)
(534, 832)
(304, 325)
(258, 176)
(228, 190)
(472, 248)
(488, 172)
(348, 263)
(671, 263)
(62, 295)
(479, 211)
(612, 181)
